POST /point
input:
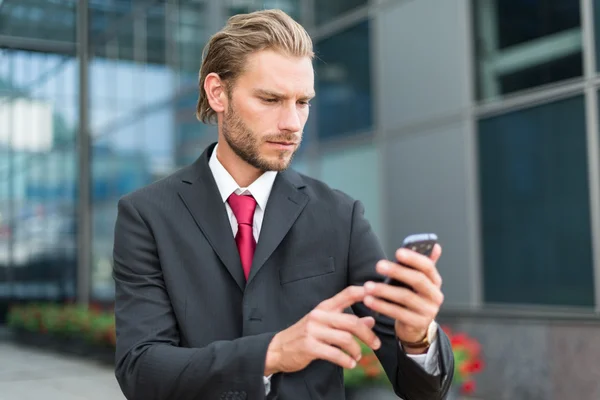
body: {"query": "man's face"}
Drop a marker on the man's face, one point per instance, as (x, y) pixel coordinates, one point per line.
(268, 108)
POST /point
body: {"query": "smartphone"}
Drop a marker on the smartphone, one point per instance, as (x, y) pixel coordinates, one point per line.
(421, 243)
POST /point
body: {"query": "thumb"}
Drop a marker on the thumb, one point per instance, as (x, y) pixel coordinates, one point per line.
(436, 253)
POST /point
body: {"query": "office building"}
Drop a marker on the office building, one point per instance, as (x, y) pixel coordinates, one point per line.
(473, 119)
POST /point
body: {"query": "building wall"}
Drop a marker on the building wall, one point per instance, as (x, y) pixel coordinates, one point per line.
(426, 133)
(473, 121)
(532, 357)
(470, 147)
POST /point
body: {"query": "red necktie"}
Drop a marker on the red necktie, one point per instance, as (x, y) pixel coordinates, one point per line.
(243, 208)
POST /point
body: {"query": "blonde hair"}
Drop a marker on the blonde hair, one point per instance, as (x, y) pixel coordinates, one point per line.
(226, 51)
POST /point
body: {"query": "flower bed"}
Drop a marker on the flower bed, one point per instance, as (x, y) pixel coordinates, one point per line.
(90, 332)
(467, 355)
(467, 360)
(86, 331)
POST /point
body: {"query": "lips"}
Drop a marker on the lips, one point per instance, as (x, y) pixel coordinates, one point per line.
(285, 143)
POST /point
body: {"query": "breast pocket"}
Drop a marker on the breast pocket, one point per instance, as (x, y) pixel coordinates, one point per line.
(304, 285)
(307, 270)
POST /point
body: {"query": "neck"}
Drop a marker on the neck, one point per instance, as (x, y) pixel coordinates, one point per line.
(242, 172)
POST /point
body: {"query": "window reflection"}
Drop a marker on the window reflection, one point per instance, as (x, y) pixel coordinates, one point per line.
(535, 207)
(38, 125)
(325, 11)
(291, 7)
(521, 45)
(343, 83)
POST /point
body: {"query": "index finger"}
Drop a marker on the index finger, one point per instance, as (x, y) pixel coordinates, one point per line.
(344, 299)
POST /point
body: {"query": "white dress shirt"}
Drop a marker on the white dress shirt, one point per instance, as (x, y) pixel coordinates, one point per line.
(261, 189)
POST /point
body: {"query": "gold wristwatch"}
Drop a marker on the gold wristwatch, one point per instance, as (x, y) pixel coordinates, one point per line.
(426, 341)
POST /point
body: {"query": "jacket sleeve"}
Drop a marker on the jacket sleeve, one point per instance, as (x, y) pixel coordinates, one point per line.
(150, 365)
(409, 379)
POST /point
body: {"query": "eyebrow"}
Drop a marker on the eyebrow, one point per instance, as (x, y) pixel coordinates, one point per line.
(269, 93)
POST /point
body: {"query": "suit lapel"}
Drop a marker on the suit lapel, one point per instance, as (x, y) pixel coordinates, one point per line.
(285, 204)
(200, 195)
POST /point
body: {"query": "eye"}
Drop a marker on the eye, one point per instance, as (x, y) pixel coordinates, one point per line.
(304, 103)
(269, 100)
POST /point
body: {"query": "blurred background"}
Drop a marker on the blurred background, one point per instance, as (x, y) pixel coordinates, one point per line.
(473, 119)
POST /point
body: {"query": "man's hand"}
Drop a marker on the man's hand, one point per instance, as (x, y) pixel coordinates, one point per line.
(325, 333)
(413, 310)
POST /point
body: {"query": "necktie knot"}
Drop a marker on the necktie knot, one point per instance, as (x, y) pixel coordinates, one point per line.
(243, 208)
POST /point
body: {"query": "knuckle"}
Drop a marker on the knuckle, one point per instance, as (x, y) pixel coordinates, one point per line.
(403, 295)
(411, 276)
(314, 315)
(431, 312)
(430, 265)
(311, 328)
(355, 291)
(322, 304)
(347, 339)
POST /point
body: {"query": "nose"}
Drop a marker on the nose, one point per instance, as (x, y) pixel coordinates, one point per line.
(290, 119)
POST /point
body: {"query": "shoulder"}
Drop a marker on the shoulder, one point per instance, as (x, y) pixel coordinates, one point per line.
(323, 194)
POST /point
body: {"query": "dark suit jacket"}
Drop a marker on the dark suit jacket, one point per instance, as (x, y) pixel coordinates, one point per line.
(190, 327)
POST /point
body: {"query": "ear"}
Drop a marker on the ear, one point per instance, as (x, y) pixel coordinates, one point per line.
(215, 92)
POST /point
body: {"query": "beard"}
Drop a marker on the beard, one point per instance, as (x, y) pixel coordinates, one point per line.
(246, 144)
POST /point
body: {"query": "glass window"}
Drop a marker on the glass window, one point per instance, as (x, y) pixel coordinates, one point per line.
(37, 203)
(535, 206)
(291, 7)
(325, 11)
(343, 83)
(54, 20)
(596, 6)
(355, 170)
(5, 211)
(139, 80)
(521, 45)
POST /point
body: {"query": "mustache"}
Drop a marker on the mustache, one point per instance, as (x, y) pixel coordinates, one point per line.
(287, 138)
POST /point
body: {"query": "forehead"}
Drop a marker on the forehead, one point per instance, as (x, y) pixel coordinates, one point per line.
(272, 70)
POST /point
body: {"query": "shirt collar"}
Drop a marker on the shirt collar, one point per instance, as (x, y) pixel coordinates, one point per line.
(260, 189)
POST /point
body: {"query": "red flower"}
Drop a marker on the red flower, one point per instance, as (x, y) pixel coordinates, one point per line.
(476, 366)
(465, 368)
(459, 340)
(468, 387)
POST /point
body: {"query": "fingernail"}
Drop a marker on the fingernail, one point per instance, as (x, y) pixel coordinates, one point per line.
(376, 343)
(353, 365)
(369, 286)
(383, 265)
(358, 358)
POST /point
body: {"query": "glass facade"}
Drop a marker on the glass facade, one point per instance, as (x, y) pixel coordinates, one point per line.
(533, 154)
(343, 82)
(326, 11)
(142, 93)
(535, 206)
(531, 128)
(522, 45)
(38, 174)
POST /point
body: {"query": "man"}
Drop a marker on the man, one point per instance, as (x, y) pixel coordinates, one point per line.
(233, 275)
